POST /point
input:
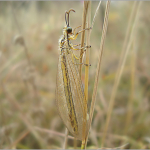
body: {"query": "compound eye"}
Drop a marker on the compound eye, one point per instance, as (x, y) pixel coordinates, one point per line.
(69, 30)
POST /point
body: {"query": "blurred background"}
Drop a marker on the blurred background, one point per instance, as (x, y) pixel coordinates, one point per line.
(29, 34)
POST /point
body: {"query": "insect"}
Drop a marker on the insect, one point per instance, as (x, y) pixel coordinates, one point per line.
(69, 88)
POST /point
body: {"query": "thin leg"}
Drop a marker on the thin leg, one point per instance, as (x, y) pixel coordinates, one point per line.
(74, 56)
(77, 45)
(76, 49)
(75, 29)
(76, 35)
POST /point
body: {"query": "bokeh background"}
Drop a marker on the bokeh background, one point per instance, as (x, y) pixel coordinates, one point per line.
(29, 34)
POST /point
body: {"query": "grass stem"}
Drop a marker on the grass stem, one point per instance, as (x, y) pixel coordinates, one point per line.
(103, 37)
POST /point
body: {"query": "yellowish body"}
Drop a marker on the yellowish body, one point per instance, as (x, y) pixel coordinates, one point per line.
(69, 89)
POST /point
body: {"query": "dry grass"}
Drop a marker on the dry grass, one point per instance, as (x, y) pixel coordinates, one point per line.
(29, 118)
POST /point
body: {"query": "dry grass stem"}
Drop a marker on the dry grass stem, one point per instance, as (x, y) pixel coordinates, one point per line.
(86, 73)
(133, 12)
(104, 31)
(118, 77)
(52, 132)
(21, 137)
(84, 16)
(96, 13)
(66, 139)
(84, 143)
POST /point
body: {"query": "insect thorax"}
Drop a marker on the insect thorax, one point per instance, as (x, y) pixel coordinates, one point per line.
(64, 43)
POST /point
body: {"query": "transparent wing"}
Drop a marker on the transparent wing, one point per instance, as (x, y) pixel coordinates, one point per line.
(77, 95)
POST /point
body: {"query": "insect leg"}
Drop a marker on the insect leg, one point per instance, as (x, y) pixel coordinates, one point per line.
(76, 35)
(75, 49)
(72, 47)
(74, 56)
(74, 31)
(76, 28)
(78, 45)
